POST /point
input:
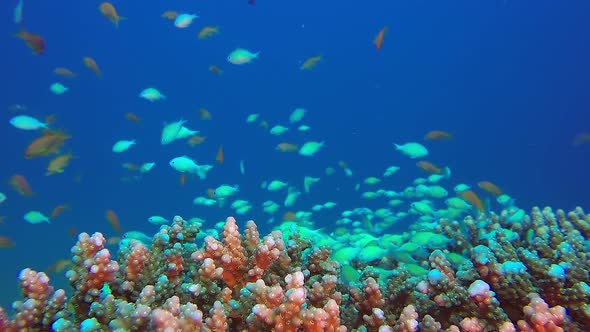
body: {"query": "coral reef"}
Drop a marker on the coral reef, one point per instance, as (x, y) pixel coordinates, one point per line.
(531, 274)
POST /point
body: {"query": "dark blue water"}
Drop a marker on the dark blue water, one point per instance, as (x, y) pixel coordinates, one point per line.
(508, 78)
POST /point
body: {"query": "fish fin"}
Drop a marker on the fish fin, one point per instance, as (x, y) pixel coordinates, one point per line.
(20, 34)
(119, 18)
(201, 173)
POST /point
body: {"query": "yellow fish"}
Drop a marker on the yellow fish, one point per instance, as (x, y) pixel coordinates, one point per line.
(311, 62)
(170, 15)
(109, 11)
(207, 32)
(57, 164)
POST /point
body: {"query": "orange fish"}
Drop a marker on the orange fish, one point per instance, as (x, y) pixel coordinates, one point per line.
(196, 140)
(72, 231)
(60, 266)
(204, 114)
(211, 193)
(182, 179)
(91, 64)
(490, 188)
(58, 210)
(109, 11)
(21, 185)
(57, 164)
(113, 219)
(170, 15)
(47, 144)
(378, 41)
(474, 200)
(215, 70)
(311, 62)
(132, 117)
(429, 167)
(581, 138)
(33, 41)
(343, 164)
(65, 72)
(113, 240)
(264, 124)
(290, 216)
(287, 147)
(131, 167)
(219, 158)
(50, 119)
(207, 32)
(438, 135)
(6, 242)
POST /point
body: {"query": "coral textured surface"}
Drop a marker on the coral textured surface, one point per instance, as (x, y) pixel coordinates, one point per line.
(525, 275)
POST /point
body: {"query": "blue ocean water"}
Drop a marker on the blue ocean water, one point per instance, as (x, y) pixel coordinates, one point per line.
(508, 78)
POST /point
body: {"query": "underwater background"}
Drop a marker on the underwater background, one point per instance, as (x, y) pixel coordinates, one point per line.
(509, 79)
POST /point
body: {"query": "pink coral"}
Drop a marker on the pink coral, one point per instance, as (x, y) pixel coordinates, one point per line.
(541, 318)
(407, 320)
(229, 255)
(482, 295)
(136, 261)
(471, 325)
(248, 283)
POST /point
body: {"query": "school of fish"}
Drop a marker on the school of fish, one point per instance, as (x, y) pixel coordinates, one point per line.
(427, 198)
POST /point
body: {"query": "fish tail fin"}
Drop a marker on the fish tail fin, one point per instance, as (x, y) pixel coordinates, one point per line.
(201, 173)
(117, 20)
(21, 33)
